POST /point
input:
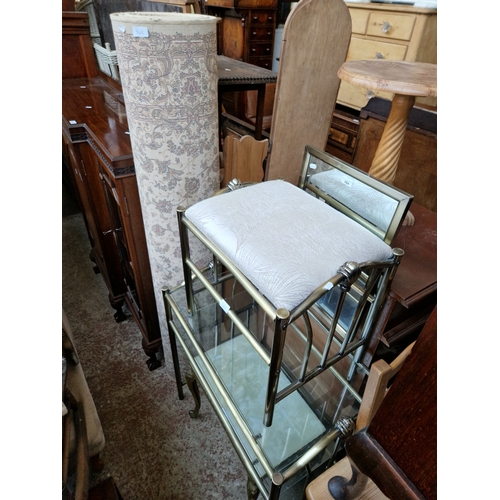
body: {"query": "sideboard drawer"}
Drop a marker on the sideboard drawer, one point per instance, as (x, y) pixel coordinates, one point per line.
(359, 19)
(261, 33)
(261, 49)
(261, 17)
(361, 48)
(389, 25)
(388, 31)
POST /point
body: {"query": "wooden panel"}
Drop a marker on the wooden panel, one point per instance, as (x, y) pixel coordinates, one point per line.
(243, 159)
(68, 5)
(359, 20)
(257, 4)
(307, 83)
(77, 52)
(400, 27)
(233, 38)
(227, 4)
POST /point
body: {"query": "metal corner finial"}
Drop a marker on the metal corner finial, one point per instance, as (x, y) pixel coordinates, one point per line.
(351, 272)
(234, 184)
(346, 426)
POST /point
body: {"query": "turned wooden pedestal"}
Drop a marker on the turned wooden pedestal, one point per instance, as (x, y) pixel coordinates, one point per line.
(407, 80)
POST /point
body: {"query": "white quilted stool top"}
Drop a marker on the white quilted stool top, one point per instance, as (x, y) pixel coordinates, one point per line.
(285, 241)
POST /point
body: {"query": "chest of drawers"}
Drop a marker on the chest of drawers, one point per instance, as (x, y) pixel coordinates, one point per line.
(389, 31)
(246, 31)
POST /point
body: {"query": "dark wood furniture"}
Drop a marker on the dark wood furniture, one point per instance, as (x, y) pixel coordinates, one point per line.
(98, 156)
(235, 75)
(245, 33)
(413, 293)
(398, 450)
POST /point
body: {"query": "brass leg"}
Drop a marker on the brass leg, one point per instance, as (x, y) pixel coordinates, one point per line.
(252, 489)
(192, 384)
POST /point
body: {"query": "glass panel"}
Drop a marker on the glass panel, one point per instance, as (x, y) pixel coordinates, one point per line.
(372, 203)
(300, 419)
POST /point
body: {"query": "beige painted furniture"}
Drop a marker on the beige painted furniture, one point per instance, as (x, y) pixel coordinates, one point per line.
(407, 80)
(391, 32)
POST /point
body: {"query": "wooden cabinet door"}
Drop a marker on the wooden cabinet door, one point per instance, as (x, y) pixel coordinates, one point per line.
(233, 37)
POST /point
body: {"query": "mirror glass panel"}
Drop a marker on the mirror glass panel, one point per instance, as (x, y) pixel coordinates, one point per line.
(371, 202)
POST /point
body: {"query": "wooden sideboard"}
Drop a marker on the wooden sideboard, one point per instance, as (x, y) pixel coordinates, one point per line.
(97, 154)
(389, 31)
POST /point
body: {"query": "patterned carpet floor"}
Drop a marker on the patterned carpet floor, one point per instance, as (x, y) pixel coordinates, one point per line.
(154, 450)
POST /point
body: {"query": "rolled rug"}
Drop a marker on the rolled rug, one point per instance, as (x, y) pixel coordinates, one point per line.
(168, 70)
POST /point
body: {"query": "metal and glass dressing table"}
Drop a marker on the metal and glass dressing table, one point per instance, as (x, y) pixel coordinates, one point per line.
(285, 381)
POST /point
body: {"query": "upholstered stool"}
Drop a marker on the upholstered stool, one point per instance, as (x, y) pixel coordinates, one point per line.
(285, 241)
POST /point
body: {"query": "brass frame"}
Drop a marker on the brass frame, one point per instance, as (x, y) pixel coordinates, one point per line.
(371, 279)
(403, 199)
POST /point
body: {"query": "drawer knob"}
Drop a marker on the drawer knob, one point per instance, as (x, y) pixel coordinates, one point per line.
(370, 94)
(386, 27)
(379, 55)
(254, 33)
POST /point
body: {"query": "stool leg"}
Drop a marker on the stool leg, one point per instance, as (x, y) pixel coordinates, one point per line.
(192, 383)
(184, 240)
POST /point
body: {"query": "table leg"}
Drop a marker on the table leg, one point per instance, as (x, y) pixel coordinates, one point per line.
(259, 114)
(385, 163)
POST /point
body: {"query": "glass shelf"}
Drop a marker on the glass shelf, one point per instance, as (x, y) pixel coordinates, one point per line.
(234, 374)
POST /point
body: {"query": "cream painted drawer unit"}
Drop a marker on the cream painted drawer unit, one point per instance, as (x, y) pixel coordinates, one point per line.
(394, 32)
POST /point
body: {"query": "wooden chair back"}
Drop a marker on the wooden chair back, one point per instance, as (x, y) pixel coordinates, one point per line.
(377, 386)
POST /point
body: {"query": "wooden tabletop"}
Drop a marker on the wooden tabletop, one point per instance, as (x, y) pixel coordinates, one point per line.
(417, 274)
(400, 77)
(234, 72)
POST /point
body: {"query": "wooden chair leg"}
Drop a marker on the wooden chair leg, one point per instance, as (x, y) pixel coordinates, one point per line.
(342, 489)
(96, 463)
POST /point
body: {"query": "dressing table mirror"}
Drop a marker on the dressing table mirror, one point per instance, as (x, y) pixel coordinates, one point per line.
(377, 206)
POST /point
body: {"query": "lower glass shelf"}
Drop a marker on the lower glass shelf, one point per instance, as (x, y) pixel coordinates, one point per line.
(244, 374)
(234, 376)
